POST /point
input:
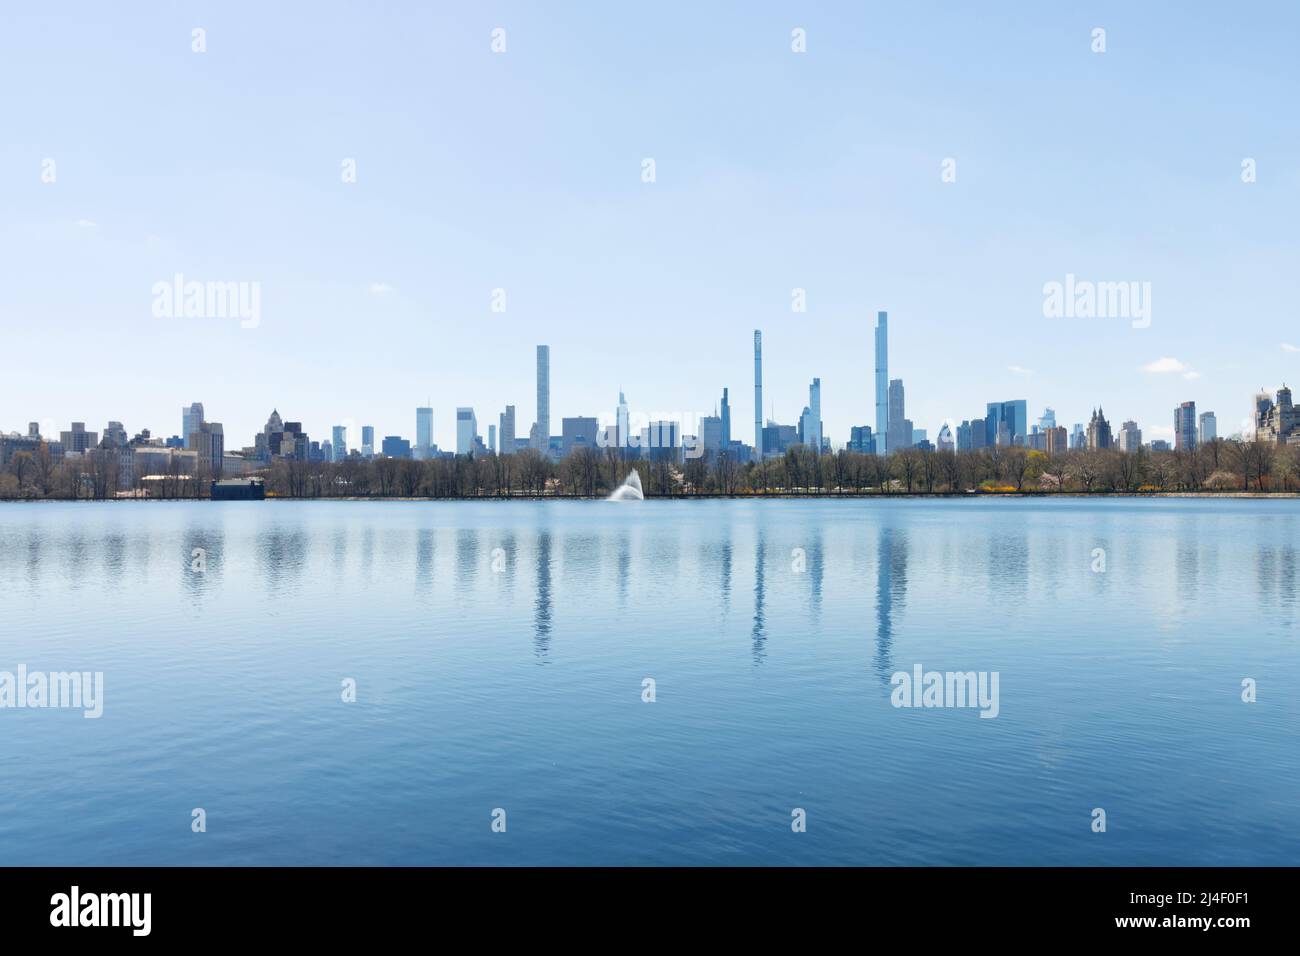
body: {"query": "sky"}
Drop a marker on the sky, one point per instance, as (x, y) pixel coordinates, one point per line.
(523, 171)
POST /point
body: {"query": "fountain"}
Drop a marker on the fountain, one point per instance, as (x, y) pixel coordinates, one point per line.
(629, 490)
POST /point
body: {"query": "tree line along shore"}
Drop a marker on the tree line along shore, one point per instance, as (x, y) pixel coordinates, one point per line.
(1223, 467)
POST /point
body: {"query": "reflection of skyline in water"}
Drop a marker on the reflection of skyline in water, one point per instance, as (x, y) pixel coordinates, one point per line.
(542, 606)
(891, 594)
(759, 633)
(455, 709)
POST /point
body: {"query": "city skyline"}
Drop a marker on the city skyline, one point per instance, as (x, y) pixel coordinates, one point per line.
(1005, 422)
(803, 173)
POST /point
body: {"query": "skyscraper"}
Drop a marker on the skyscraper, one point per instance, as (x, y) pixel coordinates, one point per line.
(726, 420)
(190, 419)
(492, 439)
(882, 383)
(209, 441)
(758, 394)
(1098, 431)
(1185, 427)
(899, 429)
(542, 434)
(368, 441)
(1208, 429)
(340, 442)
(622, 422)
(423, 431)
(507, 433)
(814, 436)
(1130, 437)
(1015, 415)
(466, 431)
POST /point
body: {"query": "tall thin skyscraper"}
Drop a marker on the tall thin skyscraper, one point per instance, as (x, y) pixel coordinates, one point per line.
(492, 439)
(542, 436)
(191, 418)
(726, 420)
(882, 383)
(622, 421)
(423, 431)
(339, 446)
(367, 441)
(1185, 427)
(815, 409)
(758, 395)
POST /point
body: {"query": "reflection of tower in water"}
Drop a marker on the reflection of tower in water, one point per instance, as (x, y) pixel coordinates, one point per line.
(542, 608)
(891, 592)
(760, 632)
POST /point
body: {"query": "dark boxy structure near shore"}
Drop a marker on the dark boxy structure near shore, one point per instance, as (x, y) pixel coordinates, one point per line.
(239, 489)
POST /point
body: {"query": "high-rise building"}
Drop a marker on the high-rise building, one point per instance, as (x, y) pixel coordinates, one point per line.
(492, 439)
(114, 435)
(78, 439)
(805, 428)
(1078, 437)
(190, 419)
(1098, 431)
(1047, 421)
(862, 440)
(882, 383)
(209, 441)
(1014, 415)
(622, 423)
(1185, 427)
(814, 435)
(542, 432)
(945, 441)
(395, 446)
(577, 433)
(1130, 437)
(368, 441)
(1279, 421)
(506, 435)
(466, 431)
(758, 395)
(1058, 440)
(339, 444)
(711, 435)
(423, 431)
(661, 441)
(726, 419)
(777, 438)
(1207, 429)
(899, 430)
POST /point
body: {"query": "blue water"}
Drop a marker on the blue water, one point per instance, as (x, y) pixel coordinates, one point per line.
(513, 679)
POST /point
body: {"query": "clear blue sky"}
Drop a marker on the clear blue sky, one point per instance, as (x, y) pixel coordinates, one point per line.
(522, 170)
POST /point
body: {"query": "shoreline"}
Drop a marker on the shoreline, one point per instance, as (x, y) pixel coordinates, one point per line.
(774, 495)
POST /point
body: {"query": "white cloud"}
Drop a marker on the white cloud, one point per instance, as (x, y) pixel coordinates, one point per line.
(87, 224)
(1165, 365)
(381, 288)
(1191, 376)
(1288, 347)
(1020, 371)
